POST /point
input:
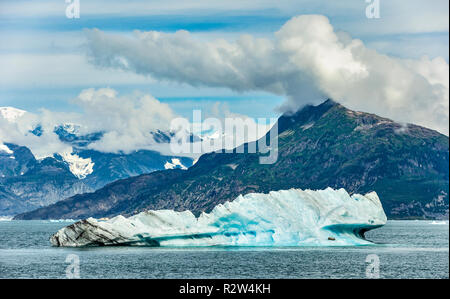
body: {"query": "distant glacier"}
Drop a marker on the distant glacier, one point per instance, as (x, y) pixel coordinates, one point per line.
(281, 218)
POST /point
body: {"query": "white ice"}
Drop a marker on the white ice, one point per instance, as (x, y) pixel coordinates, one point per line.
(281, 218)
(175, 162)
(79, 167)
(4, 148)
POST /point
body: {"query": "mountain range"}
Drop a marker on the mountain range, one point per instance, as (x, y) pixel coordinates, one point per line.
(319, 146)
(27, 183)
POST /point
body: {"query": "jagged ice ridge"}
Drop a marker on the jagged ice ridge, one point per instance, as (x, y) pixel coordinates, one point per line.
(281, 218)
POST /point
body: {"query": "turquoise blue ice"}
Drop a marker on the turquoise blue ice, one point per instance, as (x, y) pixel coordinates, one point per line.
(281, 218)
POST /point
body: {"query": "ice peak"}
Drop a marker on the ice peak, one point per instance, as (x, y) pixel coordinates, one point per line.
(11, 113)
(80, 167)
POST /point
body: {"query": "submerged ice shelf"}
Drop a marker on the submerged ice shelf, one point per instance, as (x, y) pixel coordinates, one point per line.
(281, 218)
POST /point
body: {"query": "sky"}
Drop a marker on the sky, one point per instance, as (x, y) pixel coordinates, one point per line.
(257, 58)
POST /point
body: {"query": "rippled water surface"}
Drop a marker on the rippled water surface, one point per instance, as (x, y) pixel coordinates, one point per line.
(406, 249)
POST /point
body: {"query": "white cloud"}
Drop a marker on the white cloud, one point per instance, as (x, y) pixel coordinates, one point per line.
(227, 136)
(17, 131)
(127, 123)
(306, 61)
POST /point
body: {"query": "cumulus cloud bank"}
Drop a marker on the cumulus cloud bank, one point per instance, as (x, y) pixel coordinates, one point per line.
(127, 124)
(126, 121)
(306, 61)
(18, 131)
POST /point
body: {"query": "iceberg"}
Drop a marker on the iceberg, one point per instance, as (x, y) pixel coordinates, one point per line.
(281, 218)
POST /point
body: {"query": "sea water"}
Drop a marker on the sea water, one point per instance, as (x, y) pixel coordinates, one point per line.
(404, 249)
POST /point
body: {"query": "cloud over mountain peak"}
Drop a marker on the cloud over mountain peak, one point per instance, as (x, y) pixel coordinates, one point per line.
(306, 61)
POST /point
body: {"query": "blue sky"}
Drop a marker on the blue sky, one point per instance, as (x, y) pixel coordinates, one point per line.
(43, 63)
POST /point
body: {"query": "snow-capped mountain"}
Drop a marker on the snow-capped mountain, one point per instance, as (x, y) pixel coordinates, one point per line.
(80, 167)
(5, 149)
(175, 164)
(27, 182)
